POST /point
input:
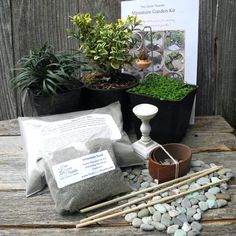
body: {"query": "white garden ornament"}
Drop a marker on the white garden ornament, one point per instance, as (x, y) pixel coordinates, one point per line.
(145, 112)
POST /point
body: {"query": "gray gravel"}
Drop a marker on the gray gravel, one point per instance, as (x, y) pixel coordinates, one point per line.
(181, 216)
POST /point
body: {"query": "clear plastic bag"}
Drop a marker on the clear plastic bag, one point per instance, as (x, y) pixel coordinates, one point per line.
(98, 174)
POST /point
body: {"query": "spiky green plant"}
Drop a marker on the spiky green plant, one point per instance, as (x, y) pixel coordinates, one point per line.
(47, 73)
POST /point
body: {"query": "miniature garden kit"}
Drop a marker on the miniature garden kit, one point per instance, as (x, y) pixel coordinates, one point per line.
(87, 159)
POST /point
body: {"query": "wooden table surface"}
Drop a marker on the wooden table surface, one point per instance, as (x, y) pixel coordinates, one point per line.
(211, 139)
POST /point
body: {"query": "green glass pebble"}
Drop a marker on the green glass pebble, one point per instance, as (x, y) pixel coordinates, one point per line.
(180, 232)
(211, 203)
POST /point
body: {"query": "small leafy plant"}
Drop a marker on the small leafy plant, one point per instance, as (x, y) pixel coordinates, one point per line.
(143, 55)
(163, 88)
(105, 45)
(174, 57)
(47, 73)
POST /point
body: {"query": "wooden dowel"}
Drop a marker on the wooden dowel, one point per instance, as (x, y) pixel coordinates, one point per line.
(148, 204)
(149, 195)
(94, 207)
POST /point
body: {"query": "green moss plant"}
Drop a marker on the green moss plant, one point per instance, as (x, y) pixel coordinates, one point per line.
(163, 88)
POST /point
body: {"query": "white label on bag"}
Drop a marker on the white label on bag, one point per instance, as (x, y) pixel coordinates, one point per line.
(82, 168)
(80, 129)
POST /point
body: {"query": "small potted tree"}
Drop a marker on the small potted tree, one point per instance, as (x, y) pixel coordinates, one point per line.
(50, 80)
(174, 100)
(107, 47)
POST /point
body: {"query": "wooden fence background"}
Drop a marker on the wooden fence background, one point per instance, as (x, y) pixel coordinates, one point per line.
(26, 24)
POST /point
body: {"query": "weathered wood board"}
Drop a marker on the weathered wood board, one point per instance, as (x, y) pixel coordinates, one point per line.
(8, 107)
(37, 216)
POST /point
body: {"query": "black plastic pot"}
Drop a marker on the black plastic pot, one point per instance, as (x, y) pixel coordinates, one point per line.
(68, 101)
(172, 120)
(96, 98)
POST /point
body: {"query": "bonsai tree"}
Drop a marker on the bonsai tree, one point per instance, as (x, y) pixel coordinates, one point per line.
(46, 73)
(105, 45)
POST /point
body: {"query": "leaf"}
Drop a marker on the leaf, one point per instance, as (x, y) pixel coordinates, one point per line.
(115, 65)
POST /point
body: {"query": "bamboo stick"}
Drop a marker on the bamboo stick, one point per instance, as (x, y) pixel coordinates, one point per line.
(148, 204)
(94, 207)
(149, 195)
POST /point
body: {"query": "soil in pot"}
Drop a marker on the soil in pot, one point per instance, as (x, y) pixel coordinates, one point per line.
(103, 92)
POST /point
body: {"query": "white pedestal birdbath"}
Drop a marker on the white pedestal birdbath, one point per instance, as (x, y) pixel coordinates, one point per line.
(145, 112)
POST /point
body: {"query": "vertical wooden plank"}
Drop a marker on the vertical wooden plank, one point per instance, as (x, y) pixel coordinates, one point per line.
(226, 60)
(206, 73)
(7, 96)
(111, 9)
(38, 21)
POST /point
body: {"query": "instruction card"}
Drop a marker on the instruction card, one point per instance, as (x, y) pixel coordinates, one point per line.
(172, 42)
(82, 168)
(169, 33)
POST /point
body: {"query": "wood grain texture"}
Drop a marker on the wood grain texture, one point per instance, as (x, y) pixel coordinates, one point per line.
(37, 22)
(37, 216)
(9, 127)
(206, 72)
(111, 9)
(216, 59)
(7, 96)
(13, 163)
(41, 207)
(12, 172)
(211, 124)
(225, 60)
(216, 124)
(209, 230)
(203, 140)
(10, 145)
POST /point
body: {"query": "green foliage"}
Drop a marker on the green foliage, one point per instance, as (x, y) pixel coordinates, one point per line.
(163, 88)
(175, 38)
(46, 73)
(105, 45)
(172, 57)
(143, 55)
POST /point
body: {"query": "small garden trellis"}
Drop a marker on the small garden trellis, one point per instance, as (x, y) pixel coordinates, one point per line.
(141, 45)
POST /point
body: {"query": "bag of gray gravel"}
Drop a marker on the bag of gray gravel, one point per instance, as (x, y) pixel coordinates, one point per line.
(49, 133)
(79, 176)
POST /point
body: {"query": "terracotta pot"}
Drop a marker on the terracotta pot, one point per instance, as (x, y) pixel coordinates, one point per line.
(143, 64)
(166, 172)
